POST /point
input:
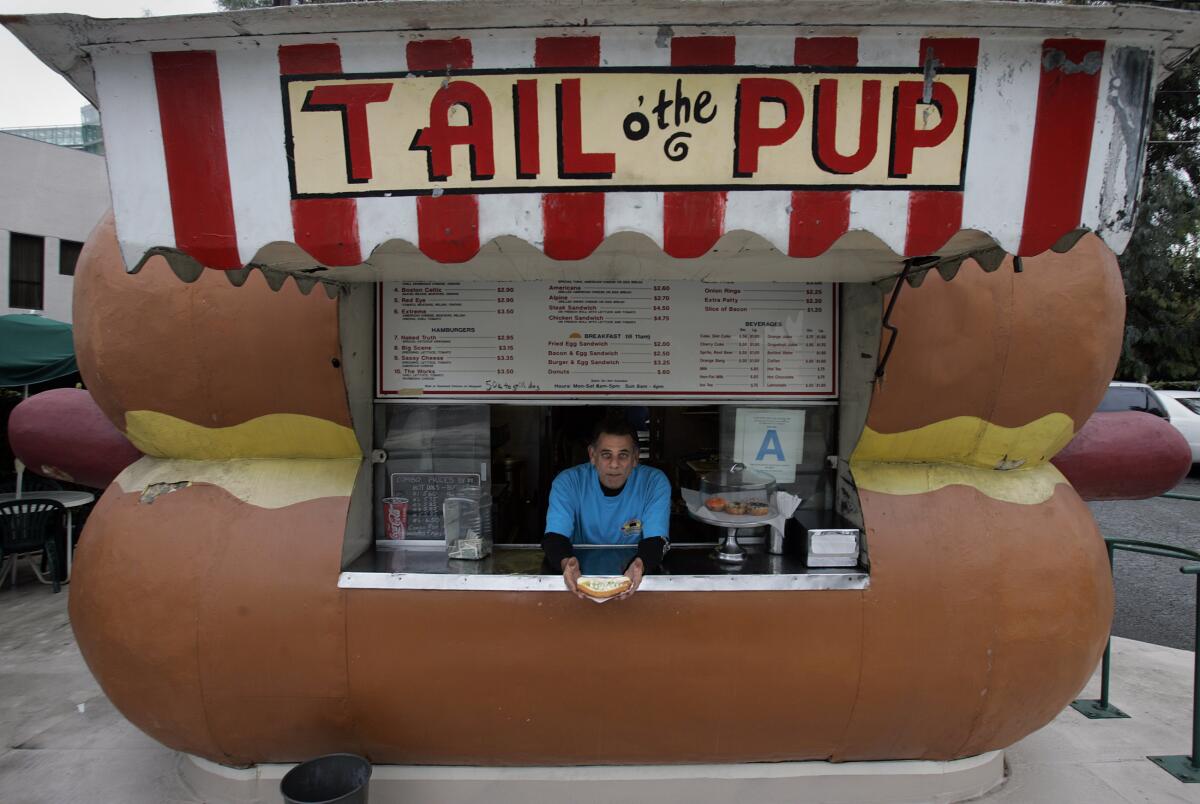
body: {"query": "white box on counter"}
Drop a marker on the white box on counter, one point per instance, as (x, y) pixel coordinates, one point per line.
(833, 547)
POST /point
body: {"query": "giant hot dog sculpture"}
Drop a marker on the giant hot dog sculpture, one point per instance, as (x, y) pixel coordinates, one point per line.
(206, 603)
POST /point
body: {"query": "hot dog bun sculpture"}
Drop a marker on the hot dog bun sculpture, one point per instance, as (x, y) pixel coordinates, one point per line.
(206, 599)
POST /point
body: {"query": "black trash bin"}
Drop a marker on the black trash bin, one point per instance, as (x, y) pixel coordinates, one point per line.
(331, 779)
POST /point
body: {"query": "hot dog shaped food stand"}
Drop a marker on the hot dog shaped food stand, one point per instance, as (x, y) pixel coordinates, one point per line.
(890, 226)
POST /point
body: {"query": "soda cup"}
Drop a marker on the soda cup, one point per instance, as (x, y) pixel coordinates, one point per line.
(395, 517)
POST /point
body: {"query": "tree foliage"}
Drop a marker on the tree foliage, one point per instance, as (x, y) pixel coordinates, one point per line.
(1161, 266)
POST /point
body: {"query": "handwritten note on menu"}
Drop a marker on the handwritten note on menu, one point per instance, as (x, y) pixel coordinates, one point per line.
(618, 339)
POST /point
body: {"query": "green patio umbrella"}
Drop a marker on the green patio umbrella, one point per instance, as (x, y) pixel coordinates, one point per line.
(34, 349)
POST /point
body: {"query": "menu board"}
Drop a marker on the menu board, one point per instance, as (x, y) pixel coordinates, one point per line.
(615, 339)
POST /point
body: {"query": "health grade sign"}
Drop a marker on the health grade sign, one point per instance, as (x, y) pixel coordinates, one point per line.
(479, 131)
(770, 441)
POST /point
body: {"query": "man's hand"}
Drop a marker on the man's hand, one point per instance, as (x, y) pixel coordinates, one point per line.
(570, 568)
(634, 574)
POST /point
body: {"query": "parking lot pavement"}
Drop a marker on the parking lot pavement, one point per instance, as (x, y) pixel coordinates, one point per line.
(1155, 603)
(61, 740)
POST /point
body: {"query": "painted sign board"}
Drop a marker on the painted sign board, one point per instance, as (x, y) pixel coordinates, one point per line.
(614, 339)
(666, 128)
(781, 129)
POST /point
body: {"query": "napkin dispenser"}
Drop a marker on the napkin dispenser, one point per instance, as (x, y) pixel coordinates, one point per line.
(833, 547)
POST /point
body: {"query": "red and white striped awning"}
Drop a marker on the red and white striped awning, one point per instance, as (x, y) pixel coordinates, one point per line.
(198, 143)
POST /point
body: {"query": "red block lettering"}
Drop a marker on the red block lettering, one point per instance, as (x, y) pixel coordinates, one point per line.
(825, 102)
(525, 119)
(351, 100)
(749, 135)
(573, 163)
(906, 138)
(439, 137)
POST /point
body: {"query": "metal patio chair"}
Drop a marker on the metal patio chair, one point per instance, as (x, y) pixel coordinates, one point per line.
(32, 483)
(27, 527)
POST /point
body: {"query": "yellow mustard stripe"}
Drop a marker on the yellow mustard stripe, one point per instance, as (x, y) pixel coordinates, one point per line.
(276, 435)
(1023, 486)
(267, 484)
(970, 441)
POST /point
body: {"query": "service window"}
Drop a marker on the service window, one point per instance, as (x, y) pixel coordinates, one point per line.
(497, 386)
(514, 451)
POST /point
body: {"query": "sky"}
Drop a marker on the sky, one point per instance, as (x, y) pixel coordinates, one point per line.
(32, 94)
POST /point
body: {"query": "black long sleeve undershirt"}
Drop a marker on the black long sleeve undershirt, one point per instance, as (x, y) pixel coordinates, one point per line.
(651, 551)
(557, 549)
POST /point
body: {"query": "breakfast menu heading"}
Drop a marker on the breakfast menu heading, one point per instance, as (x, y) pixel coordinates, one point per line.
(618, 339)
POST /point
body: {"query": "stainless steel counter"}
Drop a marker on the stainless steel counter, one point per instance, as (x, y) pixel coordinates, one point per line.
(512, 568)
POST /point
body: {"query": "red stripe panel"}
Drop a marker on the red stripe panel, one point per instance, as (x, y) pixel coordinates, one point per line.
(820, 217)
(304, 59)
(1062, 143)
(694, 221)
(567, 51)
(193, 133)
(951, 52)
(440, 54)
(573, 222)
(447, 227)
(327, 228)
(934, 216)
(827, 51)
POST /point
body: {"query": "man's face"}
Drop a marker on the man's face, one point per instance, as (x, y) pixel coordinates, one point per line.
(614, 457)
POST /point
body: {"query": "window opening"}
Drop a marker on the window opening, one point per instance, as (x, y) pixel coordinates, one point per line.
(26, 256)
(68, 255)
(514, 452)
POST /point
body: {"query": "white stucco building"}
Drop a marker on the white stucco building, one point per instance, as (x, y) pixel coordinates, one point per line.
(50, 199)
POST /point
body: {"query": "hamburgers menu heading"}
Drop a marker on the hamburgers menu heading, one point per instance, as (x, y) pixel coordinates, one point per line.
(479, 131)
(618, 339)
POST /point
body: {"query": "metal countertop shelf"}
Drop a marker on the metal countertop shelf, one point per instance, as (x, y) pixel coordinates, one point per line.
(520, 568)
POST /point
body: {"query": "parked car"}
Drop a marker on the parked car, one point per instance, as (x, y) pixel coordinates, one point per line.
(1180, 408)
(1184, 410)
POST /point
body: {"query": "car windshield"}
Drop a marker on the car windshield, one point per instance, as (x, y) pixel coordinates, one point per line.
(1192, 403)
(1123, 397)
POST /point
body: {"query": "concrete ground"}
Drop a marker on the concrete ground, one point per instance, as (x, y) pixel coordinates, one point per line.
(1155, 603)
(62, 742)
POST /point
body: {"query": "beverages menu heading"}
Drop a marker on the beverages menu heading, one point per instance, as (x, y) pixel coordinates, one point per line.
(619, 339)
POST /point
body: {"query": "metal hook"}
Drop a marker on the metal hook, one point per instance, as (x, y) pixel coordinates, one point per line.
(931, 65)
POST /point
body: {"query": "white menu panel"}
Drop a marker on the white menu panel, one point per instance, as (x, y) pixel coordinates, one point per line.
(618, 339)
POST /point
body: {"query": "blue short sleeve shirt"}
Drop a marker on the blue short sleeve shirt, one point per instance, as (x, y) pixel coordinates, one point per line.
(581, 511)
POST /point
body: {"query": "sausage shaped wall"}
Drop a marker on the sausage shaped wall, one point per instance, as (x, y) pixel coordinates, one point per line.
(206, 598)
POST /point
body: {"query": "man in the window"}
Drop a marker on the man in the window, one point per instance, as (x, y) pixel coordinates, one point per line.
(610, 500)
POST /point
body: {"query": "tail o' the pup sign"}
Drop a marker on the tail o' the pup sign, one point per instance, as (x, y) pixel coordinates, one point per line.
(479, 131)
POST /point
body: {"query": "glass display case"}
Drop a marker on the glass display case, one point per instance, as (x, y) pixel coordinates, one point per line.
(735, 497)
